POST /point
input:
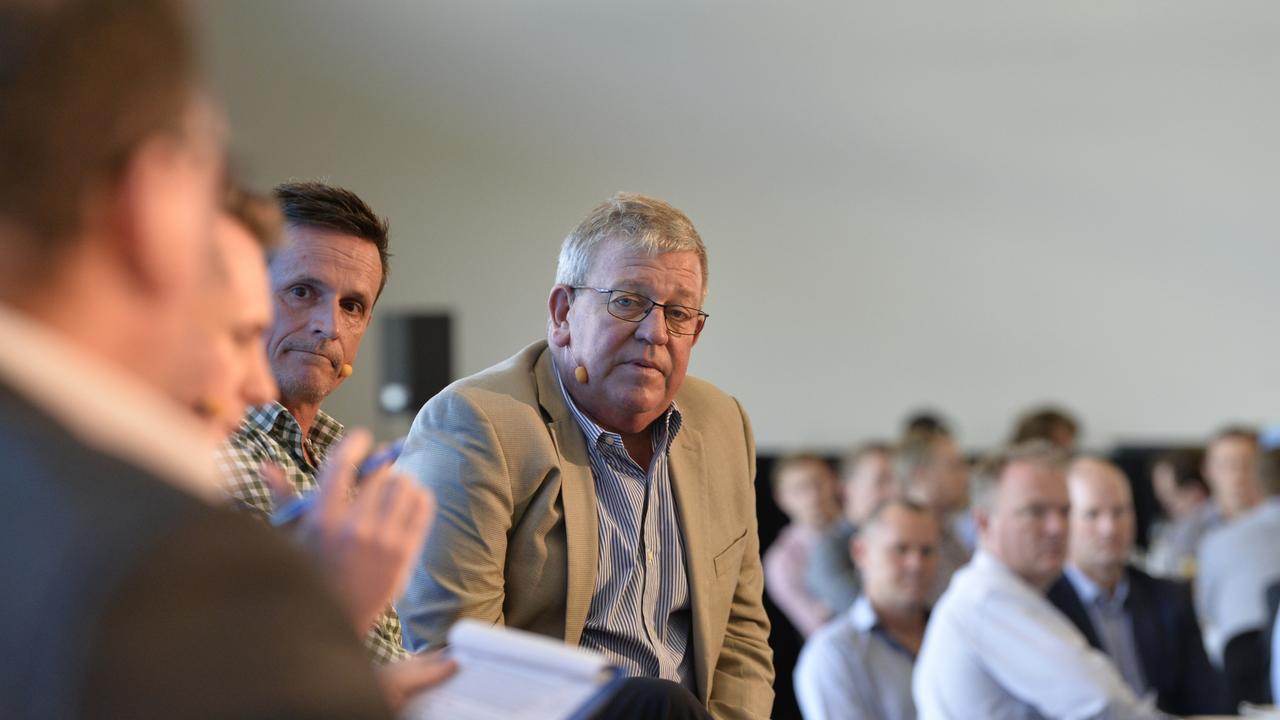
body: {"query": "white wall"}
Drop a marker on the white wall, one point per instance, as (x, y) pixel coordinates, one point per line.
(974, 206)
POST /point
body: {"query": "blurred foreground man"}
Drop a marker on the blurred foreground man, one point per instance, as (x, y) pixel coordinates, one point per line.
(588, 490)
(858, 667)
(1147, 626)
(995, 646)
(130, 595)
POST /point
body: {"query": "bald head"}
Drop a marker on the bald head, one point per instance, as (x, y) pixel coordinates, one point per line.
(1102, 520)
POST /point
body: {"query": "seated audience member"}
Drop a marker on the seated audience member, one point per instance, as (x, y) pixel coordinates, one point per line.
(325, 280)
(131, 593)
(995, 647)
(589, 491)
(1147, 626)
(1237, 563)
(932, 472)
(1183, 493)
(866, 481)
(1047, 423)
(1231, 470)
(804, 486)
(859, 666)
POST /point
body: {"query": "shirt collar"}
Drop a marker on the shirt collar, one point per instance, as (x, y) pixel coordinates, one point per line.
(1091, 594)
(667, 425)
(105, 407)
(864, 619)
(278, 423)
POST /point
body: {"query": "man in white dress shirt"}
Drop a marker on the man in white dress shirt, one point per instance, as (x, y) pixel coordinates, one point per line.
(995, 647)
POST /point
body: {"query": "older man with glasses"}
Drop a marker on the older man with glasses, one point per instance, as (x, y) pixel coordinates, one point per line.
(588, 490)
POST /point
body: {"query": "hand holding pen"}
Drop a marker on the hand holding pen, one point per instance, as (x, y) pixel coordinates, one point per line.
(364, 541)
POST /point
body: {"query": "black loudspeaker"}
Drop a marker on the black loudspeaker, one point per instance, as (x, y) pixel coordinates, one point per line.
(417, 360)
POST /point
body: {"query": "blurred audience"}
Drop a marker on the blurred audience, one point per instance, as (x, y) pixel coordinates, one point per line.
(866, 481)
(1237, 563)
(1183, 494)
(859, 666)
(1147, 626)
(995, 646)
(804, 487)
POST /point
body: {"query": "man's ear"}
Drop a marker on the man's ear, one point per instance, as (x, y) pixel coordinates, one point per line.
(982, 519)
(558, 304)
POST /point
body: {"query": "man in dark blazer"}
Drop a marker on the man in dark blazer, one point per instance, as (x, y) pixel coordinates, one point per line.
(1146, 625)
(128, 592)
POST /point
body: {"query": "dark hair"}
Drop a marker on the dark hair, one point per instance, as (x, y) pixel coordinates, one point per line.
(1185, 464)
(1040, 424)
(925, 421)
(328, 207)
(1236, 432)
(82, 84)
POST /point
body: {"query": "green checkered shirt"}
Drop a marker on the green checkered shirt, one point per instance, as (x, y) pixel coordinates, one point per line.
(268, 433)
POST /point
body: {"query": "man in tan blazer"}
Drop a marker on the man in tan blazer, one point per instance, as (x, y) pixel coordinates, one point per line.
(588, 490)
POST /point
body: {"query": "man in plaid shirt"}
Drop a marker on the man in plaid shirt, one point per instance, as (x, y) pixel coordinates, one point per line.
(324, 283)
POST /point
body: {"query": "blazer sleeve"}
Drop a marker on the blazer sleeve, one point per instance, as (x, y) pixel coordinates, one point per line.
(454, 451)
(742, 685)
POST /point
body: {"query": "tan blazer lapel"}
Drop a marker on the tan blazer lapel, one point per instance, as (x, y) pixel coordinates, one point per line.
(692, 504)
(578, 495)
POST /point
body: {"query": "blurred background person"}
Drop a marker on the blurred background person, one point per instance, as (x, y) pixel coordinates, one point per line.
(1230, 469)
(1146, 625)
(1189, 512)
(1237, 565)
(858, 667)
(804, 487)
(866, 480)
(932, 472)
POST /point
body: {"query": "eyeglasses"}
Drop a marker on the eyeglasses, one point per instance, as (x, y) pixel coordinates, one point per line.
(628, 306)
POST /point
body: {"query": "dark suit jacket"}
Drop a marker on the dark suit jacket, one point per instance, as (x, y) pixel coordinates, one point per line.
(124, 597)
(1167, 635)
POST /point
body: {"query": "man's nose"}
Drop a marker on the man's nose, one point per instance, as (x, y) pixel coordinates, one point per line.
(653, 327)
(324, 320)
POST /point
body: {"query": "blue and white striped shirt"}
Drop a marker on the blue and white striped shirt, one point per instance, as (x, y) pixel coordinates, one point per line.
(640, 614)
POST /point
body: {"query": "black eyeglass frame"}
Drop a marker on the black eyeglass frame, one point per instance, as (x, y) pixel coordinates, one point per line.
(701, 316)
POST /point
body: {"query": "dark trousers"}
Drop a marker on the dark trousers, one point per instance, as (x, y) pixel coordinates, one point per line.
(645, 698)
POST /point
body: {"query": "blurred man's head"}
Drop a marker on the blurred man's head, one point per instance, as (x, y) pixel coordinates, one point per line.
(1102, 520)
(1230, 467)
(324, 283)
(804, 487)
(110, 170)
(1021, 506)
(932, 471)
(1050, 423)
(896, 551)
(1178, 482)
(866, 478)
(234, 373)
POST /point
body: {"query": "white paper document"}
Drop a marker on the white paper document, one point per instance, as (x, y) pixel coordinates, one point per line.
(505, 673)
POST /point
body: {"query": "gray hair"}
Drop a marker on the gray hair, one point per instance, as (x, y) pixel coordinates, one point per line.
(986, 480)
(641, 223)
